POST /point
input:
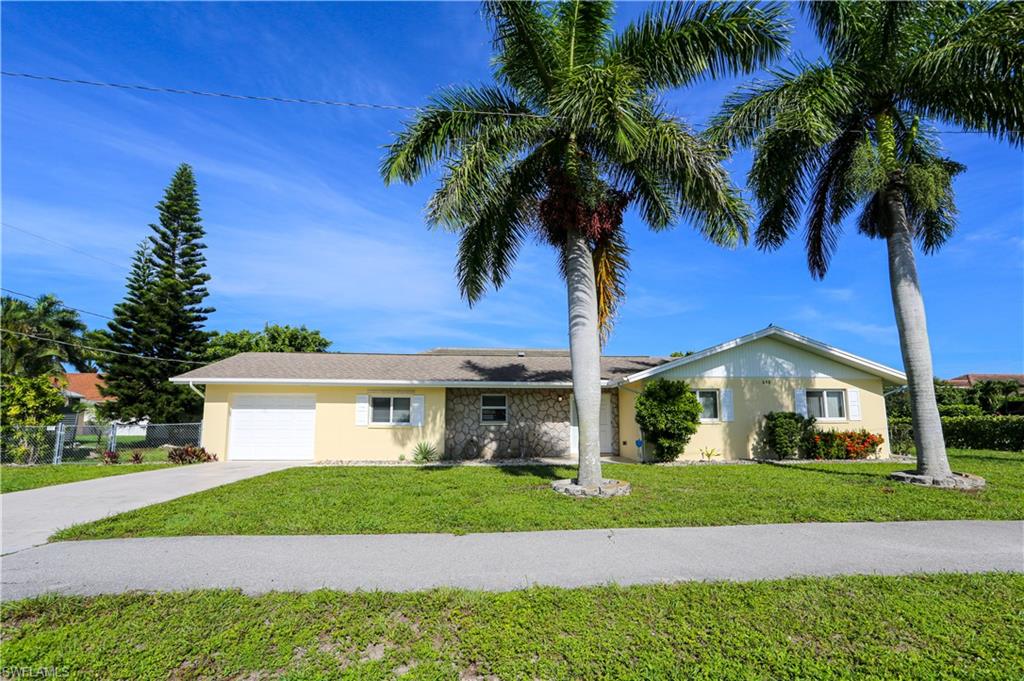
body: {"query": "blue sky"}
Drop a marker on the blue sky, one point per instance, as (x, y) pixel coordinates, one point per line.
(302, 231)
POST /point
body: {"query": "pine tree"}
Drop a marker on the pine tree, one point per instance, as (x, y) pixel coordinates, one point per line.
(162, 314)
(128, 377)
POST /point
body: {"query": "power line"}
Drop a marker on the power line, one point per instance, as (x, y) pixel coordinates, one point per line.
(67, 307)
(95, 349)
(64, 245)
(254, 98)
(333, 102)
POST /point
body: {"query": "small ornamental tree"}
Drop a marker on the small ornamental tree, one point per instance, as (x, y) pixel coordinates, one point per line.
(27, 401)
(668, 413)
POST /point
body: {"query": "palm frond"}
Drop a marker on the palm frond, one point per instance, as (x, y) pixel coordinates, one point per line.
(611, 266)
(814, 94)
(453, 118)
(784, 163)
(582, 27)
(682, 42)
(474, 174)
(842, 25)
(690, 170)
(972, 74)
(606, 102)
(524, 45)
(834, 196)
(489, 245)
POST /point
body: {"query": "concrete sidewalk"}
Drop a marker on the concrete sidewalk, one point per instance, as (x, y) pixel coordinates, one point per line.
(31, 516)
(513, 560)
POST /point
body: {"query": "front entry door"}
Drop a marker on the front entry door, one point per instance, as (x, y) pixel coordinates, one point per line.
(606, 426)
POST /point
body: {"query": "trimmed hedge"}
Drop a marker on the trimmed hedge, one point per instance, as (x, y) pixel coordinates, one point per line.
(975, 432)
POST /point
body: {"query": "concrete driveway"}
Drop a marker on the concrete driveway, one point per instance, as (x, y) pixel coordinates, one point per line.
(512, 560)
(29, 517)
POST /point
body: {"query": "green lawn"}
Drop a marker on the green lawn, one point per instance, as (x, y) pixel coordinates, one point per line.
(921, 627)
(341, 500)
(17, 478)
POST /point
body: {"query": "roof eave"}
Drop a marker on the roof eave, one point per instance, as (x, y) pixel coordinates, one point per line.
(866, 365)
(375, 383)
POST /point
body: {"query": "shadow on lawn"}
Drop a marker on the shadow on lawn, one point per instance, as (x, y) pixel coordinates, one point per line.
(863, 474)
(544, 471)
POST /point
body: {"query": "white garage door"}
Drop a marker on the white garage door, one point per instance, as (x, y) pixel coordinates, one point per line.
(272, 427)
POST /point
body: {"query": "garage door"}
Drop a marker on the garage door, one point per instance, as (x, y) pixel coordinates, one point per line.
(272, 427)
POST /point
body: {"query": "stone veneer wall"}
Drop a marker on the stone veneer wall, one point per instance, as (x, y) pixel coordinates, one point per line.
(538, 424)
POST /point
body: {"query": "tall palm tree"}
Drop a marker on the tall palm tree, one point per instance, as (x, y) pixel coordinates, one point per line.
(846, 132)
(569, 136)
(40, 337)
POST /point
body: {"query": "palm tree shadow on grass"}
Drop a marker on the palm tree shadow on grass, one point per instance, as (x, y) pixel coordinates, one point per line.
(882, 475)
(546, 472)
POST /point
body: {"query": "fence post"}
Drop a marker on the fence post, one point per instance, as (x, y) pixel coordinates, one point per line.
(58, 443)
(112, 438)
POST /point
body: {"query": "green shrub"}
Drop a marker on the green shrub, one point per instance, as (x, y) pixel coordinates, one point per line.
(786, 432)
(843, 444)
(424, 452)
(668, 413)
(976, 432)
(960, 410)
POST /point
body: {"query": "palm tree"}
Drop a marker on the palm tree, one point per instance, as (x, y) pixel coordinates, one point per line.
(40, 337)
(846, 132)
(569, 136)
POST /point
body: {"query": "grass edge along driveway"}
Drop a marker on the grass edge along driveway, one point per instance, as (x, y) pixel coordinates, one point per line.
(20, 478)
(385, 500)
(920, 626)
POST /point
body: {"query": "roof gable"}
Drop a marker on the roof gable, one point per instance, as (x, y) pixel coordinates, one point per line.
(771, 353)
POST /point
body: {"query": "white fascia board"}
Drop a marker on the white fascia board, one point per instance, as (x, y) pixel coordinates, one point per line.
(867, 365)
(370, 383)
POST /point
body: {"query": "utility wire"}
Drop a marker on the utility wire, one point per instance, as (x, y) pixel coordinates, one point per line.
(329, 102)
(95, 349)
(254, 98)
(64, 245)
(67, 307)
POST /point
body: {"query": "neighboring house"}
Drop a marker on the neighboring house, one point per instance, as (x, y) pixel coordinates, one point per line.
(970, 380)
(82, 392)
(516, 403)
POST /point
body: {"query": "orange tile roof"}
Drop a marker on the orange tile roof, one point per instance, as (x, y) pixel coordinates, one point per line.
(87, 385)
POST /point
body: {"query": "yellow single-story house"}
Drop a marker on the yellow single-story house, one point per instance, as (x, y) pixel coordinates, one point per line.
(513, 403)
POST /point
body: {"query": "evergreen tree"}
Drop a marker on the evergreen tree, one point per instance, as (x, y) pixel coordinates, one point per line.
(162, 314)
(130, 378)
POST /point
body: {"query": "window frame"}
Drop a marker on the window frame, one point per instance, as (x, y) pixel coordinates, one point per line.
(484, 422)
(390, 423)
(824, 404)
(718, 404)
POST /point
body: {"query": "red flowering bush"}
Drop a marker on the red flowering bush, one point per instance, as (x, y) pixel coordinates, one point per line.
(190, 454)
(110, 457)
(843, 444)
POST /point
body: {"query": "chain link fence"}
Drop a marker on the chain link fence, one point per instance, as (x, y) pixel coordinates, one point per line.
(87, 443)
(901, 439)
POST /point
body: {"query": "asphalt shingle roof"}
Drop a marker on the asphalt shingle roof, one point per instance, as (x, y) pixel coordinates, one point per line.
(443, 365)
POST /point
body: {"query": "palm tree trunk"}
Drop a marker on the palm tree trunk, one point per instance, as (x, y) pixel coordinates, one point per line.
(913, 330)
(585, 355)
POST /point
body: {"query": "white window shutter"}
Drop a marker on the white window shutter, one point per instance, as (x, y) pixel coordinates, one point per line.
(362, 410)
(416, 410)
(800, 401)
(727, 405)
(853, 406)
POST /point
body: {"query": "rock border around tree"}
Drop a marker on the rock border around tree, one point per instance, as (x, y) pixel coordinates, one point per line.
(965, 482)
(607, 489)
